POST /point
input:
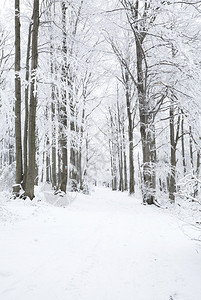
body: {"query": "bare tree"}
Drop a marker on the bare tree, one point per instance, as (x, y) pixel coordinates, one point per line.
(29, 188)
(137, 16)
(18, 138)
(63, 115)
(26, 121)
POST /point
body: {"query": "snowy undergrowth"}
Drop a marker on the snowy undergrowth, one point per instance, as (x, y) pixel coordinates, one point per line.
(46, 194)
(185, 210)
(190, 213)
(13, 210)
(7, 177)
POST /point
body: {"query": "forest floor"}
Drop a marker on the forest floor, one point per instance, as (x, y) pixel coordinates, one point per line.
(105, 246)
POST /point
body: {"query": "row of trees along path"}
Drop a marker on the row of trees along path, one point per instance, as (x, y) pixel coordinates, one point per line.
(135, 64)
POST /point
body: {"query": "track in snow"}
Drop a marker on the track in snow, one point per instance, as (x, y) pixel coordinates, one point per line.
(106, 246)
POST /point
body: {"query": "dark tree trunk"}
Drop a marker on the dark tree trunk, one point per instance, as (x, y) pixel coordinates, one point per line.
(80, 148)
(120, 147)
(73, 152)
(196, 187)
(63, 139)
(198, 164)
(191, 149)
(27, 106)
(183, 145)
(87, 165)
(137, 11)
(47, 160)
(54, 179)
(111, 163)
(36, 164)
(53, 119)
(42, 175)
(59, 169)
(125, 162)
(29, 189)
(172, 185)
(121, 181)
(18, 137)
(130, 137)
(113, 151)
(147, 137)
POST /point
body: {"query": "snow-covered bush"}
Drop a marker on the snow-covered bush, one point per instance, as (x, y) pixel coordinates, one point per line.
(189, 187)
(7, 177)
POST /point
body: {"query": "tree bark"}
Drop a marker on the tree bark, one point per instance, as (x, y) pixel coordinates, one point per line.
(183, 145)
(27, 106)
(18, 137)
(172, 185)
(80, 147)
(47, 160)
(130, 137)
(136, 12)
(73, 152)
(63, 139)
(113, 153)
(191, 149)
(54, 161)
(146, 129)
(29, 189)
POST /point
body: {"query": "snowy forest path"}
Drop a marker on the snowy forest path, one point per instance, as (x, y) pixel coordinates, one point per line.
(103, 246)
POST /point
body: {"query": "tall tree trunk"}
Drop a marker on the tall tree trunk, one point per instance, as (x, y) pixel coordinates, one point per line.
(152, 138)
(74, 174)
(125, 161)
(121, 180)
(113, 154)
(137, 11)
(147, 137)
(120, 147)
(18, 137)
(172, 185)
(130, 137)
(111, 163)
(54, 161)
(53, 148)
(196, 187)
(27, 106)
(73, 171)
(36, 180)
(47, 149)
(63, 140)
(43, 164)
(114, 167)
(183, 145)
(191, 149)
(59, 169)
(47, 160)
(198, 164)
(29, 189)
(80, 147)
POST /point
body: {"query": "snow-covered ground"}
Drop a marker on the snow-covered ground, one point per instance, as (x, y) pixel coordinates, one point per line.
(106, 246)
